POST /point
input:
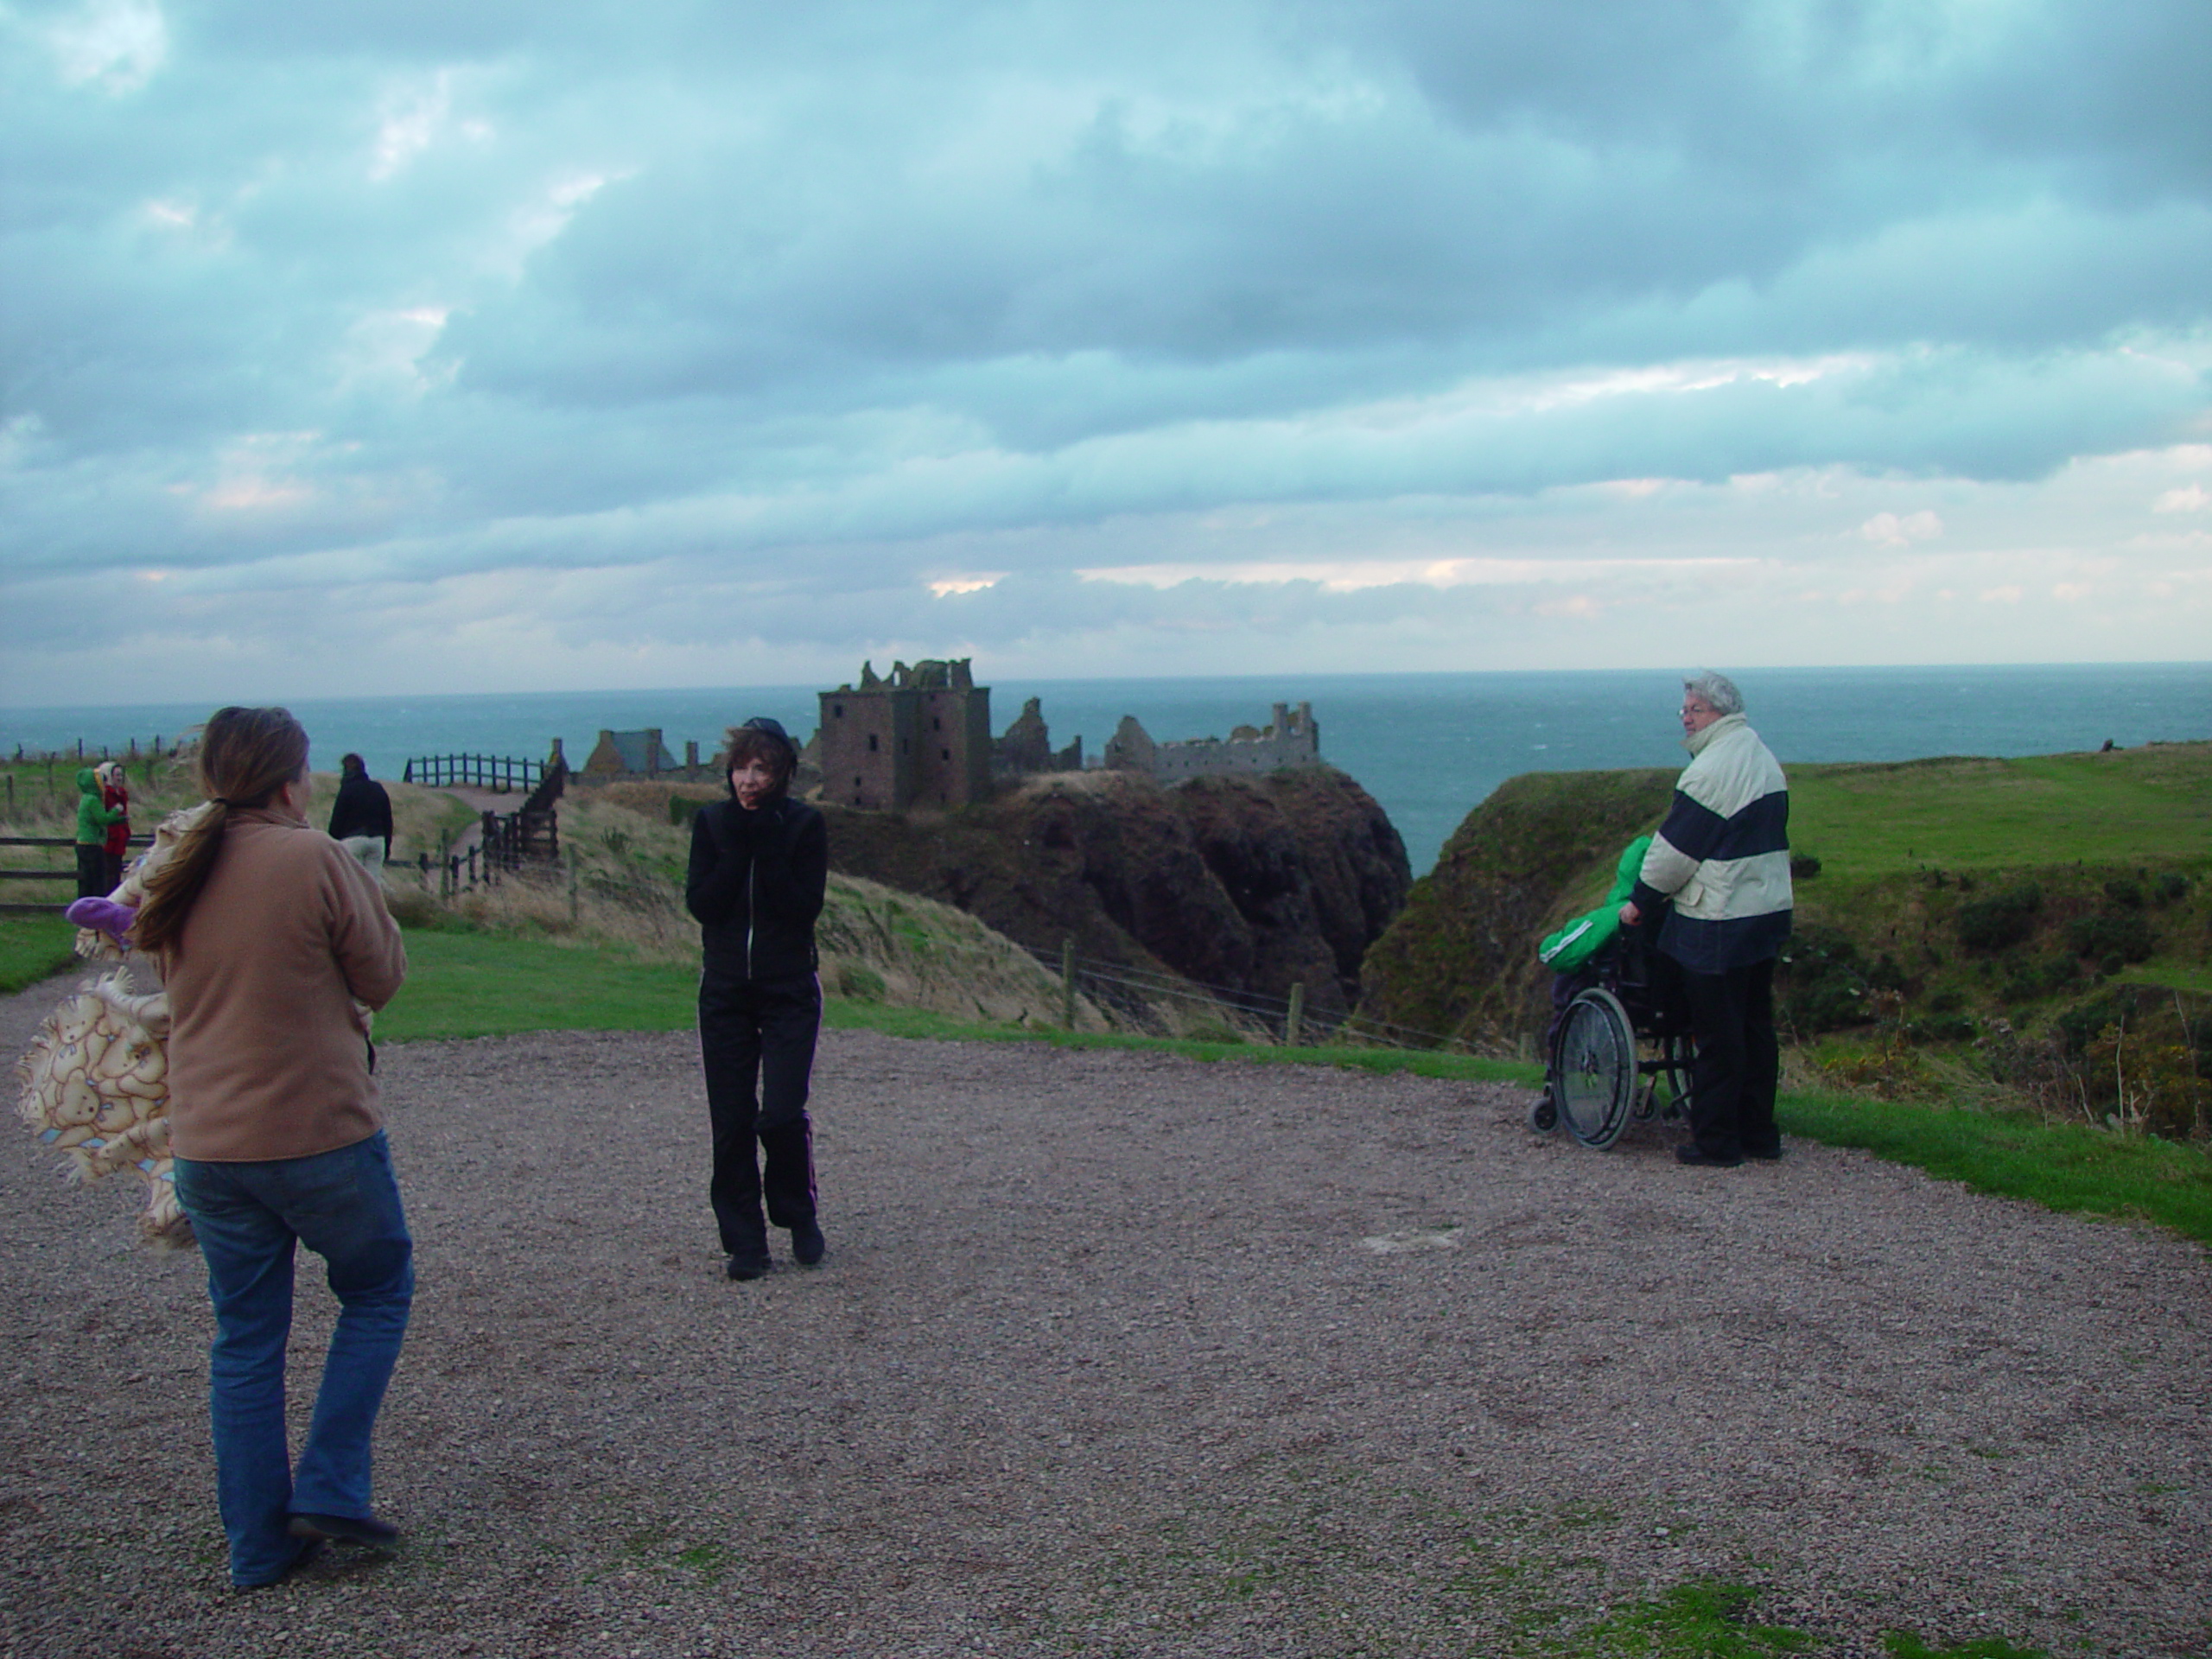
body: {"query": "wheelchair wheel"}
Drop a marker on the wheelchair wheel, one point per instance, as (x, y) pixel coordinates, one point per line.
(1594, 1076)
(1663, 1086)
(1543, 1115)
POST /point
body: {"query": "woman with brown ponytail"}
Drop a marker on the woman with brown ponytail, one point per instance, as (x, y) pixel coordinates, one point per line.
(268, 933)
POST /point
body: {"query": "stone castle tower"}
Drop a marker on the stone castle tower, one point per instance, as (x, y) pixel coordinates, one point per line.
(920, 738)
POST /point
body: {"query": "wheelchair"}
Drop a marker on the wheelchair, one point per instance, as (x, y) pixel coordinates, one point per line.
(1620, 1051)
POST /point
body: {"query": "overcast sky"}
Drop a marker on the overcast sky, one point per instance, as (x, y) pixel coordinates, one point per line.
(458, 344)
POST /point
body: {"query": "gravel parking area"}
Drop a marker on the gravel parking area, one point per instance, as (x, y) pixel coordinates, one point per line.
(1121, 1354)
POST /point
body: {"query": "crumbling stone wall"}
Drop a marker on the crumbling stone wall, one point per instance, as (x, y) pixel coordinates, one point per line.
(1290, 740)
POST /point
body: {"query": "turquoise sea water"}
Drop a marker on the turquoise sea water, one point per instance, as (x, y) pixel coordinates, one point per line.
(1428, 746)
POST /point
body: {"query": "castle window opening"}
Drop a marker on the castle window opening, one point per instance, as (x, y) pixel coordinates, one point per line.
(947, 753)
(837, 709)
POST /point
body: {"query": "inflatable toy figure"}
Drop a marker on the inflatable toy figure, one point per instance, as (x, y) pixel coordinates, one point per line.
(95, 1079)
(95, 1085)
(101, 923)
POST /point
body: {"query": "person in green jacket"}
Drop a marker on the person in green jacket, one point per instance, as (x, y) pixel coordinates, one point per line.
(93, 820)
(1564, 951)
(1568, 952)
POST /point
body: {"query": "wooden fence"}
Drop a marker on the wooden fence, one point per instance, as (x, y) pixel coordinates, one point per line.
(493, 772)
(49, 907)
(506, 846)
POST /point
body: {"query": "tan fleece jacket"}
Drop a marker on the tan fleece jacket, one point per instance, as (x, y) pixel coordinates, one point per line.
(267, 1057)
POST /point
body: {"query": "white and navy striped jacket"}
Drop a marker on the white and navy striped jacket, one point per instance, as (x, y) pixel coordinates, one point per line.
(1723, 854)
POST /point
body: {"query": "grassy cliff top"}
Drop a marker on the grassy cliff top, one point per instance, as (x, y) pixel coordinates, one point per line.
(2152, 804)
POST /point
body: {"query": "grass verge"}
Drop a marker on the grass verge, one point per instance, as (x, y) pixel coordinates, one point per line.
(2062, 1166)
(33, 948)
(463, 984)
(479, 985)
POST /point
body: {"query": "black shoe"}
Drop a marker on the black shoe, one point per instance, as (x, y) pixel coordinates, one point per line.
(1769, 1155)
(353, 1529)
(1704, 1160)
(748, 1264)
(309, 1548)
(808, 1246)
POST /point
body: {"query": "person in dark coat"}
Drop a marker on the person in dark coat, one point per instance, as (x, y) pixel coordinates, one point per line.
(759, 867)
(362, 807)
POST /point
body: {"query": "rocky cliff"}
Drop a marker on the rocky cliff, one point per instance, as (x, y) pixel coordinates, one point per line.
(1254, 884)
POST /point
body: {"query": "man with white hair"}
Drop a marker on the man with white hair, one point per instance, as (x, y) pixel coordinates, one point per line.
(1723, 859)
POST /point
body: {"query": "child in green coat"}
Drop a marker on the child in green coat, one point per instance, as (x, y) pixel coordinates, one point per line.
(94, 817)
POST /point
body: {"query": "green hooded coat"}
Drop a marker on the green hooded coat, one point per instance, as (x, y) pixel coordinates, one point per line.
(1583, 937)
(92, 818)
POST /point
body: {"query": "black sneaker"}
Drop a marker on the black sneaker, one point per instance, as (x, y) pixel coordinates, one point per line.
(748, 1264)
(1704, 1160)
(353, 1529)
(1764, 1154)
(808, 1246)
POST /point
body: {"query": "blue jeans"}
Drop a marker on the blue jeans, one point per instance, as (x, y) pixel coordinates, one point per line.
(344, 1205)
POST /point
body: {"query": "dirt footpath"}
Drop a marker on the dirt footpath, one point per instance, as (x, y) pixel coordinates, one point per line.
(1119, 1354)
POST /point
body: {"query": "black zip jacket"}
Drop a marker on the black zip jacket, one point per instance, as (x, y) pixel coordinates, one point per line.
(755, 887)
(362, 809)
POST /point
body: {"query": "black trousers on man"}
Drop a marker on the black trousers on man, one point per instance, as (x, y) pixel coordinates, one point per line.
(756, 1043)
(1739, 1062)
(91, 871)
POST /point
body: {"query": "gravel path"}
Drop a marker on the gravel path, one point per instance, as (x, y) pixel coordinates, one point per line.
(1121, 1354)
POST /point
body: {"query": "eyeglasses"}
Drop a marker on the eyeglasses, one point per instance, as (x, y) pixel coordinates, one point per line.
(1689, 709)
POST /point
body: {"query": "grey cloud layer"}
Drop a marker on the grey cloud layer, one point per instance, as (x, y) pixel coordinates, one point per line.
(396, 294)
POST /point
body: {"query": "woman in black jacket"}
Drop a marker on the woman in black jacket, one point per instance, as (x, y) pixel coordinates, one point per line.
(759, 861)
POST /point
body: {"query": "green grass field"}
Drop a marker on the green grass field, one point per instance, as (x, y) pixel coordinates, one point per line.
(32, 948)
(2132, 805)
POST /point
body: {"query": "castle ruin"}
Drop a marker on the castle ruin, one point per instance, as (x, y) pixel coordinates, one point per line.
(1025, 747)
(1291, 740)
(920, 738)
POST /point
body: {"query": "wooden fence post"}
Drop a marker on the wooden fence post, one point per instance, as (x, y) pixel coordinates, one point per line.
(1067, 982)
(572, 887)
(1296, 1016)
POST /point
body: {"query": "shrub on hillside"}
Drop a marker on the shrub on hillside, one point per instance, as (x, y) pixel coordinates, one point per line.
(859, 983)
(2169, 887)
(2032, 978)
(1942, 1028)
(2128, 895)
(2000, 921)
(2127, 936)
(1822, 982)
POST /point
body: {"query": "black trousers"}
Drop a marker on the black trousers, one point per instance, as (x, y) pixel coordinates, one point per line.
(756, 1043)
(91, 871)
(1739, 1062)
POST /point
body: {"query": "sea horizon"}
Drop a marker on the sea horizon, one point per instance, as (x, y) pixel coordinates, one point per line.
(1428, 746)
